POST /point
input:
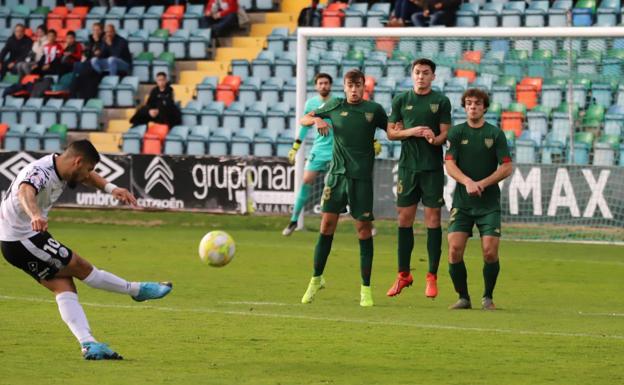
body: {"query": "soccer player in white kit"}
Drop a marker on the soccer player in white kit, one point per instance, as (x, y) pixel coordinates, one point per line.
(27, 244)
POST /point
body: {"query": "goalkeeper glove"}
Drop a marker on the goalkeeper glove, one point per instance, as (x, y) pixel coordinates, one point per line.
(293, 151)
(377, 147)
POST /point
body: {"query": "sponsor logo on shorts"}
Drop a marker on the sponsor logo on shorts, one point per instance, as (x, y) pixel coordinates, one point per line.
(344, 113)
(434, 107)
(400, 187)
(489, 142)
(369, 116)
(465, 141)
(497, 231)
(366, 214)
(33, 266)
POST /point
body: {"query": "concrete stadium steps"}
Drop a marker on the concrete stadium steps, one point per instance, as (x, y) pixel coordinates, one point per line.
(295, 6)
(266, 29)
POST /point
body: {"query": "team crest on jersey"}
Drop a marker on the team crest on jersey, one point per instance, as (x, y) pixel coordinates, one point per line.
(409, 107)
(344, 113)
(434, 107)
(489, 142)
(465, 141)
(369, 116)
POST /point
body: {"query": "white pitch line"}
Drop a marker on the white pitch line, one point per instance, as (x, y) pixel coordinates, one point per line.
(329, 319)
(602, 314)
(257, 303)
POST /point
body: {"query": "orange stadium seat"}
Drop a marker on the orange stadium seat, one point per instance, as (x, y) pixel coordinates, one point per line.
(3, 130)
(512, 121)
(152, 144)
(472, 57)
(469, 74)
(56, 18)
(369, 84)
(386, 44)
(527, 95)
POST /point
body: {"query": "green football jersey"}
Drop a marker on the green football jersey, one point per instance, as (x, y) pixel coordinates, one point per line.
(477, 152)
(413, 110)
(322, 146)
(354, 132)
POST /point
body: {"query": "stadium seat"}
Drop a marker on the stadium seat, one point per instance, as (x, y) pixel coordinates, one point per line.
(132, 19)
(512, 121)
(9, 111)
(13, 140)
(377, 15)
(70, 111)
(3, 130)
(49, 113)
(95, 15)
(206, 89)
(106, 91)
(137, 40)
(466, 15)
(255, 115)
(601, 94)
(114, 16)
(172, 18)
(285, 65)
(176, 140)
(276, 116)
(151, 18)
(163, 63)
(157, 41)
(535, 14)
(233, 115)
(218, 142)
(141, 66)
(211, 114)
(177, 43)
(30, 110)
(248, 92)
(132, 139)
(270, 90)
(262, 64)
(152, 144)
(537, 121)
(56, 18)
(126, 90)
(192, 15)
(241, 142)
(90, 114)
(37, 17)
(355, 15)
(525, 151)
(191, 113)
(33, 137)
(613, 124)
(197, 139)
(557, 13)
(605, 149)
(54, 139)
(200, 42)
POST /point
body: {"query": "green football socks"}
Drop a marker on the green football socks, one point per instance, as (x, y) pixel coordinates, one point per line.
(406, 245)
(434, 248)
(366, 260)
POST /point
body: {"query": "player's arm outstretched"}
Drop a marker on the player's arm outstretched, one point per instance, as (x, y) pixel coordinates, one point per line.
(120, 193)
(27, 198)
(312, 120)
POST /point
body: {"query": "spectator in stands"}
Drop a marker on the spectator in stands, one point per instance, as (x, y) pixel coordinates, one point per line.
(436, 12)
(403, 11)
(221, 16)
(26, 67)
(72, 53)
(50, 62)
(94, 45)
(160, 107)
(114, 56)
(17, 47)
(310, 16)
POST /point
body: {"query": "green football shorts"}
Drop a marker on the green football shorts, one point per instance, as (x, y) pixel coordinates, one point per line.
(341, 191)
(488, 224)
(413, 186)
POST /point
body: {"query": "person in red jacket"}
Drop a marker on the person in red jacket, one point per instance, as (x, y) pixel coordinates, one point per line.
(49, 64)
(221, 16)
(72, 53)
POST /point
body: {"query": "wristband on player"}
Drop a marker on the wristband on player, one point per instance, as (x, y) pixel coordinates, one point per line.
(296, 144)
(110, 187)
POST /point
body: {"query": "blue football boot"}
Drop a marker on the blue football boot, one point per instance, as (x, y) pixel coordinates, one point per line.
(153, 290)
(98, 351)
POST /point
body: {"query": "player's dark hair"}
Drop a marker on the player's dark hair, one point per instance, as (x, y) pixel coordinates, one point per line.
(424, 62)
(71, 33)
(19, 25)
(52, 31)
(476, 93)
(354, 75)
(161, 74)
(323, 75)
(85, 149)
(43, 28)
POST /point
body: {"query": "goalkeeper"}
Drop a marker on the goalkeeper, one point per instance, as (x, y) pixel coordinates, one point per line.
(321, 153)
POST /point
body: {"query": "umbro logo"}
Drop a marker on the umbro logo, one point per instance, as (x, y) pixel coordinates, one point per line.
(159, 172)
(108, 169)
(12, 166)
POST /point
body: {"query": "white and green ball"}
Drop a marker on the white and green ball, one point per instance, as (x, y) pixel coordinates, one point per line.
(217, 248)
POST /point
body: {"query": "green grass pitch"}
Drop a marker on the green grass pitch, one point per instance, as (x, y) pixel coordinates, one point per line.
(561, 317)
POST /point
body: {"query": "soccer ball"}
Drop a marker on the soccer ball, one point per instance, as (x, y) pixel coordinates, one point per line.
(217, 248)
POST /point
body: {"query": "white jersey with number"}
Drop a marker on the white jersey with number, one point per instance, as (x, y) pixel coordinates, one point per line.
(43, 176)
